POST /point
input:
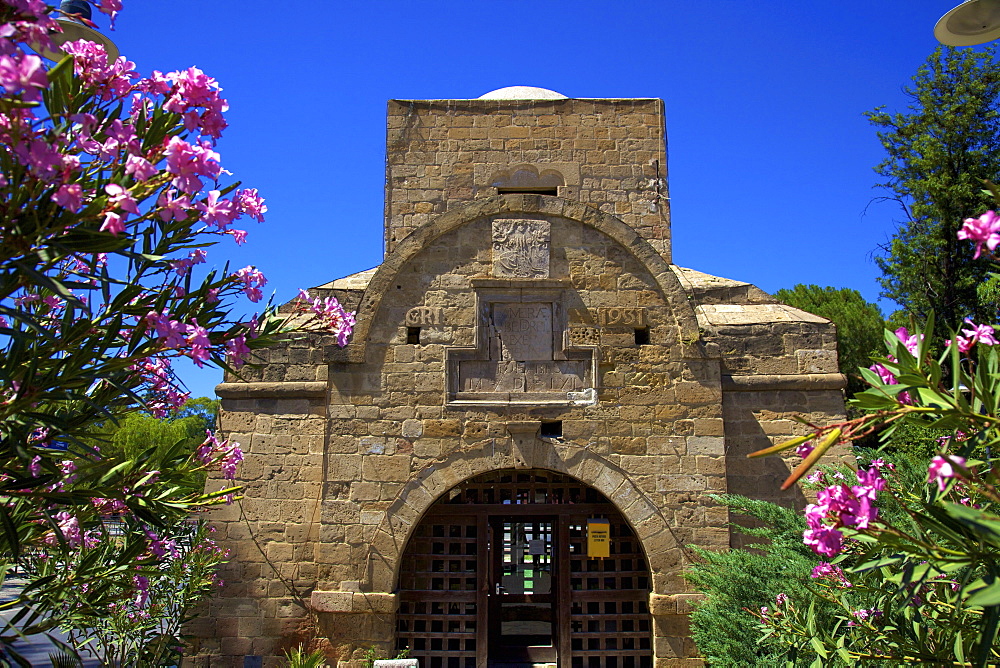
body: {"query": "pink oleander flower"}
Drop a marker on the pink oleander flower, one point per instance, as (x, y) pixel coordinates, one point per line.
(161, 547)
(983, 230)
(827, 570)
(218, 212)
(69, 196)
(23, 74)
(108, 506)
(815, 477)
(189, 162)
(866, 614)
(804, 450)
(910, 341)
(141, 584)
(943, 468)
(331, 315)
(183, 266)
(839, 506)
(207, 449)
(113, 223)
(120, 198)
(170, 331)
(781, 599)
(111, 8)
(200, 344)
(35, 467)
(886, 376)
(250, 203)
(231, 459)
(172, 208)
(252, 280)
(237, 351)
(980, 334)
(140, 168)
(192, 90)
(825, 541)
(69, 526)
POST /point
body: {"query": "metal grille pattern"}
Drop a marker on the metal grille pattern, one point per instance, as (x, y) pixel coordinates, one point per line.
(601, 613)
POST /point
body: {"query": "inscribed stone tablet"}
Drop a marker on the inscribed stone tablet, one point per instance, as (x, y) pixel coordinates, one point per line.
(524, 331)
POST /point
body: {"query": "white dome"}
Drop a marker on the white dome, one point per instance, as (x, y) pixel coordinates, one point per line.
(522, 93)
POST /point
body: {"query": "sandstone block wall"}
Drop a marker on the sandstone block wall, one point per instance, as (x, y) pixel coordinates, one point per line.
(609, 154)
(661, 378)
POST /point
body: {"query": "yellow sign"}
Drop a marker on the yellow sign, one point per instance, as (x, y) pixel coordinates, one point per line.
(598, 538)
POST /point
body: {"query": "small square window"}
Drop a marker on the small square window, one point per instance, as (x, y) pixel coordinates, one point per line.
(642, 336)
(551, 429)
(413, 335)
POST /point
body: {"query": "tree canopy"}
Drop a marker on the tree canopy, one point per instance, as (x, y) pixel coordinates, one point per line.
(939, 152)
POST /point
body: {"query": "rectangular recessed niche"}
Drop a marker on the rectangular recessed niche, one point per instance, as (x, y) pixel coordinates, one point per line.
(551, 429)
(529, 191)
(413, 335)
(642, 336)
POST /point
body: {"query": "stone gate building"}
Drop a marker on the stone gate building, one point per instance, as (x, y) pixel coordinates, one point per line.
(507, 464)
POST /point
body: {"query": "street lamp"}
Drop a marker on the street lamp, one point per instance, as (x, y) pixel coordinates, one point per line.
(74, 13)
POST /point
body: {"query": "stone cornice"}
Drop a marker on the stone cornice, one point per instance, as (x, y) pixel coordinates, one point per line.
(281, 390)
(784, 382)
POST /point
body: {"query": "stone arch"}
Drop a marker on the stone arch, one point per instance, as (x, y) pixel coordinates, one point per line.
(417, 496)
(385, 276)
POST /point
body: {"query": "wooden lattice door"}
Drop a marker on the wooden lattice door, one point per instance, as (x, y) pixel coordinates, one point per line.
(497, 575)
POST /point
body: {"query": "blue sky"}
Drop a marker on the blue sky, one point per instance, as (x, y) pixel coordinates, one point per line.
(770, 156)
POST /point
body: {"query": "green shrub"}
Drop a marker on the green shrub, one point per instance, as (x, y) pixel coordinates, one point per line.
(738, 583)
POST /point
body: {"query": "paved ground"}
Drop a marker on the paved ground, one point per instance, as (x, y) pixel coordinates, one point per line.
(37, 649)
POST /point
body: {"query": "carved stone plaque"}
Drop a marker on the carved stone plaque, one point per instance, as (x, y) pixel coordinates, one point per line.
(521, 248)
(521, 357)
(521, 332)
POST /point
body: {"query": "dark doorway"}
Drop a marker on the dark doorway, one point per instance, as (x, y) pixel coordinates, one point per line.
(497, 575)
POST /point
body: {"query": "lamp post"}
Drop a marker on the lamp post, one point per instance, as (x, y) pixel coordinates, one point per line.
(972, 22)
(74, 13)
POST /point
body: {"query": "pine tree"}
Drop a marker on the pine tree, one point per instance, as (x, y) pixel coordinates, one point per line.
(939, 153)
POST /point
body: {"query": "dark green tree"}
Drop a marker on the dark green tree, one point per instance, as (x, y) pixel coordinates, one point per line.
(939, 153)
(859, 324)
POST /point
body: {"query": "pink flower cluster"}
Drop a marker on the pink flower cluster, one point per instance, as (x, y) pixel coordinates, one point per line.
(943, 468)
(68, 527)
(911, 342)
(983, 230)
(191, 340)
(332, 317)
(229, 453)
(253, 280)
(826, 570)
(974, 334)
(839, 506)
(156, 373)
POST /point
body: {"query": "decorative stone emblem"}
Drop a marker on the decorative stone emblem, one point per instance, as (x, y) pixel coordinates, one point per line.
(521, 248)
